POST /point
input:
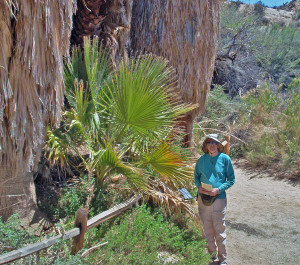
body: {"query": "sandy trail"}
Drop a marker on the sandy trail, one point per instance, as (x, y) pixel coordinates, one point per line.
(263, 220)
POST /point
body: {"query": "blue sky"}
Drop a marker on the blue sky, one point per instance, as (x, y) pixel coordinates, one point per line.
(269, 3)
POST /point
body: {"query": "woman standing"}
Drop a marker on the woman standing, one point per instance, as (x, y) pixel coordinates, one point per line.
(213, 175)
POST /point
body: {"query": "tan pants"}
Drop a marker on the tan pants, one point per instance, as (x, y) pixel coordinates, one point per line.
(214, 228)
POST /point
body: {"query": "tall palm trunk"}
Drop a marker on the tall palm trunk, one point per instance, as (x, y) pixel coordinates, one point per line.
(184, 32)
(34, 36)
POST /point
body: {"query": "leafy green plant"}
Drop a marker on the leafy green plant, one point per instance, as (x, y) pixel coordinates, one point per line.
(275, 128)
(245, 34)
(220, 112)
(277, 51)
(259, 8)
(72, 198)
(219, 104)
(58, 254)
(13, 235)
(236, 30)
(139, 237)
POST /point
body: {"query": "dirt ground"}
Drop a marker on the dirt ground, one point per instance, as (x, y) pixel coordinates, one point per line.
(263, 219)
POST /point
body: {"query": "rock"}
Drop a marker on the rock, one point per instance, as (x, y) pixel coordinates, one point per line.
(167, 258)
(278, 16)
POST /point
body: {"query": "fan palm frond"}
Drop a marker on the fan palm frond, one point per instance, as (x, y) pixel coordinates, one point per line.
(97, 65)
(169, 164)
(137, 100)
(106, 162)
(57, 147)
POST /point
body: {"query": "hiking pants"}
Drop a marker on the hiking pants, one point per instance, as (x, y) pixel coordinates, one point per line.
(213, 220)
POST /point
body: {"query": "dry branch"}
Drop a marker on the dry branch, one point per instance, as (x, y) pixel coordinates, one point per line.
(92, 249)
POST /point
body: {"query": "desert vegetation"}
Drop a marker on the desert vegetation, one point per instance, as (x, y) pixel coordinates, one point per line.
(119, 136)
(255, 92)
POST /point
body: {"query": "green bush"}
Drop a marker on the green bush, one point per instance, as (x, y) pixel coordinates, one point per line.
(236, 30)
(277, 51)
(275, 128)
(218, 104)
(275, 47)
(58, 254)
(220, 112)
(13, 235)
(72, 198)
(259, 8)
(140, 236)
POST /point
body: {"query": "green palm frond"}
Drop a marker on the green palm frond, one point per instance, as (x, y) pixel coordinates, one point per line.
(120, 121)
(56, 146)
(74, 69)
(106, 161)
(169, 164)
(97, 65)
(84, 76)
(137, 100)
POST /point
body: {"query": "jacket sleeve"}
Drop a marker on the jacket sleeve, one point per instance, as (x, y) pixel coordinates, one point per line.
(197, 174)
(230, 176)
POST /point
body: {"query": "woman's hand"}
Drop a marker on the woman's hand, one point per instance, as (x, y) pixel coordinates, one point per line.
(213, 192)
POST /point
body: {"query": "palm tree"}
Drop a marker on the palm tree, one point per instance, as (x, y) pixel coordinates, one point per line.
(184, 32)
(32, 86)
(34, 38)
(125, 120)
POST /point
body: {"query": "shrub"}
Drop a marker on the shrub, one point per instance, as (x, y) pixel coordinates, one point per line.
(140, 236)
(220, 112)
(259, 8)
(275, 128)
(13, 235)
(277, 51)
(296, 15)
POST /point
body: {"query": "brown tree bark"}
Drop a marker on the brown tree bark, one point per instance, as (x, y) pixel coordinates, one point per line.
(34, 36)
(109, 20)
(184, 32)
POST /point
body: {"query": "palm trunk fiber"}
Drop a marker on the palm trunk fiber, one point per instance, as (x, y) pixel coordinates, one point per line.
(34, 36)
(184, 32)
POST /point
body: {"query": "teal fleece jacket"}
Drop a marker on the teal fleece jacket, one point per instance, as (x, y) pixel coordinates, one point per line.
(222, 177)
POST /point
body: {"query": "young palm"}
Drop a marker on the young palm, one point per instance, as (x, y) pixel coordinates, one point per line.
(124, 118)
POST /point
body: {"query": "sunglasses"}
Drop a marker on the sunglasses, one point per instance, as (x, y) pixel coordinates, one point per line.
(212, 142)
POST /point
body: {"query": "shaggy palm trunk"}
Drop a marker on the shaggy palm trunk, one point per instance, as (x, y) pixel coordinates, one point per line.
(184, 32)
(34, 37)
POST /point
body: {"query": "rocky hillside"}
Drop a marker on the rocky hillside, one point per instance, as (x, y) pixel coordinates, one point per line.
(285, 14)
(291, 6)
(257, 44)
